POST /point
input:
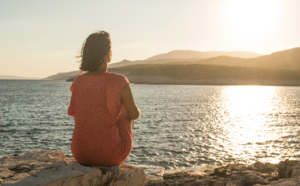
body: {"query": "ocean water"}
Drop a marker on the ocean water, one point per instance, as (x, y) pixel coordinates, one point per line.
(181, 126)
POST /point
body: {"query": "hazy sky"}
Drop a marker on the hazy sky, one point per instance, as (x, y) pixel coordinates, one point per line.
(42, 38)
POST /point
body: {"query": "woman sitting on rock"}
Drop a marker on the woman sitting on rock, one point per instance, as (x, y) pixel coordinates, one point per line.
(103, 107)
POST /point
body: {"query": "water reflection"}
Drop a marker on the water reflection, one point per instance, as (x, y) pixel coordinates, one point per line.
(248, 108)
(248, 121)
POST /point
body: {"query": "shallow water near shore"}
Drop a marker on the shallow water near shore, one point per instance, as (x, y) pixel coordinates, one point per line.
(181, 126)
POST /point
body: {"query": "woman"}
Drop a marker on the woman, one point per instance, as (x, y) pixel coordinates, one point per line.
(103, 107)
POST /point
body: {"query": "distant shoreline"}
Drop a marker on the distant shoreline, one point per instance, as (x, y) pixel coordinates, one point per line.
(161, 80)
(277, 85)
(146, 80)
(222, 81)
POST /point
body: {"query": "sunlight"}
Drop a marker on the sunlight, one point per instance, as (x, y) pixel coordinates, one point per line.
(247, 106)
(252, 20)
(249, 100)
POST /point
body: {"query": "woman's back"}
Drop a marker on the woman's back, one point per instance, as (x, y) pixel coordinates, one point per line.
(100, 137)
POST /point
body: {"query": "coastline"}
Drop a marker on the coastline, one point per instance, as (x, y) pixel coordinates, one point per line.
(161, 80)
(53, 168)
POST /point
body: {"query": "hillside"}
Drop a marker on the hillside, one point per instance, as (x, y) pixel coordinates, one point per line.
(288, 59)
(63, 75)
(188, 54)
(184, 57)
(158, 61)
(206, 75)
(196, 71)
(220, 60)
(284, 60)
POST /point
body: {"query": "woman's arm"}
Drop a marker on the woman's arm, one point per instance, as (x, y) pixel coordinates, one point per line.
(128, 102)
(72, 101)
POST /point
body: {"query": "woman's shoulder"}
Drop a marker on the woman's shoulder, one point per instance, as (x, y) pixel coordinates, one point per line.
(117, 78)
(78, 77)
(116, 75)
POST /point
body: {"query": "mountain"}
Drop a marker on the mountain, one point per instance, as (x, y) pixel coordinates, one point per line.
(184, 57)
(198, 74)
(287, 59)
(158, 61)
(188, 54)
(283, 60)
(220, 60)
(63, 75)
(196, 71)
(16, 77)
(67, 75)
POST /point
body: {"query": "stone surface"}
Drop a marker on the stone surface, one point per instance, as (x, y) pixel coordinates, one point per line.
(285, 168)
(246, 180)
(53, 168)
(296, 172)
(293, 177)
(227, 175)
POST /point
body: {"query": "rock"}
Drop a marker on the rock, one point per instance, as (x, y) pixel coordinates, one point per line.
(188, 178)
(222, 172)
(53, 168)
(296, 172)
(152, 181)
(285, 182)
(245, 180)
(228, 175)
(285, 168)
(5, 173)
(264, 167)
(294, 180)
(256, 174)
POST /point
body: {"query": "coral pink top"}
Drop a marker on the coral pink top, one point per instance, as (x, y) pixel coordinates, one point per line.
(100, 137)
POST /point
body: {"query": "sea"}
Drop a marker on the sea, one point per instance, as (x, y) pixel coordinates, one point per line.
(181, 126)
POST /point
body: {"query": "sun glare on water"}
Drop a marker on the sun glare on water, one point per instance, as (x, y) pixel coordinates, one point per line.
(252, 20)
(245, 104)
(249, 108)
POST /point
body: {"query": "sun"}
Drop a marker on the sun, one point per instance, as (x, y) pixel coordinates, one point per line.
(252, 20)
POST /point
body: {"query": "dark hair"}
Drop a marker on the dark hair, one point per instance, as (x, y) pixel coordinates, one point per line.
(94, 50)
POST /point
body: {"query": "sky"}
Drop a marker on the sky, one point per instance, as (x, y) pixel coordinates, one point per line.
(43, 38)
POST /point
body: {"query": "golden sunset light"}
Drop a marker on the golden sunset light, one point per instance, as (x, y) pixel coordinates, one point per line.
(150, 93)
(252, 22)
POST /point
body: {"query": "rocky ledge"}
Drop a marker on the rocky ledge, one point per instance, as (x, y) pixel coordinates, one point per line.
(53, 168)
(286, 173)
